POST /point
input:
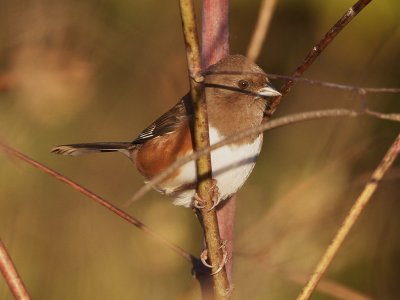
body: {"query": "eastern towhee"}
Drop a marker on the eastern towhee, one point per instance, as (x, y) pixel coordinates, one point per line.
(237, 92)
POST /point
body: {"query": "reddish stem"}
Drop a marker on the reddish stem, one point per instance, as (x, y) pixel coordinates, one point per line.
(215, 31)
(11, 275)
(215, 46)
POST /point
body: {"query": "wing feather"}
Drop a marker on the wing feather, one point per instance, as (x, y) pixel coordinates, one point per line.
(168, 122)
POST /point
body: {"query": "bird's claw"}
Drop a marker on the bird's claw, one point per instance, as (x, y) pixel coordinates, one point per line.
(200, 203)
(204, 256)
(215, 195)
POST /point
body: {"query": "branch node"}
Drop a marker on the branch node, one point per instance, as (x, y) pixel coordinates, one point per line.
(197, 77)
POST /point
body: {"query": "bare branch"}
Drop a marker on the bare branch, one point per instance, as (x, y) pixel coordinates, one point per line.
(319, 47)
(203, 162)
(284, 121)
(332, 288)
(214, 31)
(260, 32)
(215, 46)
(11, 275)
(99, 200)
(390, 117)
(351, 218)
(338, 86)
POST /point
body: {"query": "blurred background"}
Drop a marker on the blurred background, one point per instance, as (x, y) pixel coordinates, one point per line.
(78, 71)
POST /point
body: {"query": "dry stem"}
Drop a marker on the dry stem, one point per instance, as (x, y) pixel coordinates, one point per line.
(260, 32)
(11, 275)
(319, 47)
(215, 46)
(272, 124)
(201, 141)
(120, 213)
(351, 218)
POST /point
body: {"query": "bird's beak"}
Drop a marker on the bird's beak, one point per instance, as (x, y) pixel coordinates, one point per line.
(268, 91)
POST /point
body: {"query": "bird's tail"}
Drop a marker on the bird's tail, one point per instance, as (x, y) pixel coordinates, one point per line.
(87, 148)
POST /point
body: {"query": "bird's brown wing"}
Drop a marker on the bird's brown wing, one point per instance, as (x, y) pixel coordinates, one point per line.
(168, 122)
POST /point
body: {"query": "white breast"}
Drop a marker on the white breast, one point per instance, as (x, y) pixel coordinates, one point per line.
(232, 165)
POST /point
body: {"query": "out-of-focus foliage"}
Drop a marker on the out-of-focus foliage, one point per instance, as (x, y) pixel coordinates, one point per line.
(73, 71)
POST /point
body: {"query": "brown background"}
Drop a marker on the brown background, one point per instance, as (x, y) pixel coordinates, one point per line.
(103, 70)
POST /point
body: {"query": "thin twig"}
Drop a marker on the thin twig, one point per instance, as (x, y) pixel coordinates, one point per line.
(279, 122)
(120, 213)
(261, 29)
(331, 288)
(272, 124)
(350, 219)
(390, 117)
(318, 48)
(338, 86)
(11, 275)
(203, 162)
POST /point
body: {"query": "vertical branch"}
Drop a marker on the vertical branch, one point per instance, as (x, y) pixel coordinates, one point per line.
(192, 45)
(201, 140)
(215, 46)
(11, 276)
(350, 219)
(215, 31)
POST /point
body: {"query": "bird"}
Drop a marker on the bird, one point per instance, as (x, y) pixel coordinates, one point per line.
(237, 94)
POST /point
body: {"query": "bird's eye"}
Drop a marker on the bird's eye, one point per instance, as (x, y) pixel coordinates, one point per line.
(243, 84)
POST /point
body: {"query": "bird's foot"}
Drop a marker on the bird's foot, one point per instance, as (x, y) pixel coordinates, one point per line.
(200, 203)
(215, 195)
(204, 257)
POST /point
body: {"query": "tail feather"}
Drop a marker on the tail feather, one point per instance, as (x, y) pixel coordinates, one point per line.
(87, 148)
